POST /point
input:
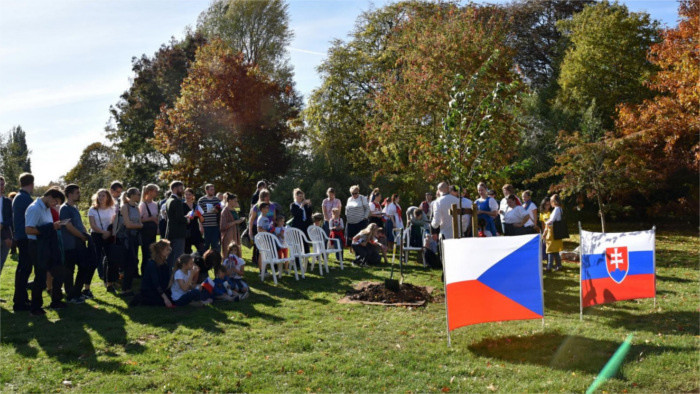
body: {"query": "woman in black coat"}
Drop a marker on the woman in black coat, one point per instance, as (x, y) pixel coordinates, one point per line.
(301, 212)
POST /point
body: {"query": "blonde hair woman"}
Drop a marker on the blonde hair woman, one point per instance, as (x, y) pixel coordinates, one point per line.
(554, 246)
(356, 212)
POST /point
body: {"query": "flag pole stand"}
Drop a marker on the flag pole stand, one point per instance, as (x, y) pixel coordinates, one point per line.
(444, 283)
(580, 274)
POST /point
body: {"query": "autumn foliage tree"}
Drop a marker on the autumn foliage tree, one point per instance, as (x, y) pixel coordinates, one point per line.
(661, 150)
(432, 47)
(230, 126)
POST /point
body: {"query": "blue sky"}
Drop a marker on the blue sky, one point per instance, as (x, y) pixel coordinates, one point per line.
(64, 62)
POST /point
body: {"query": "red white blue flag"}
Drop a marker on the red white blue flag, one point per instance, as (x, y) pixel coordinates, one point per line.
(617, 266)
(197, 211)
(492, 279)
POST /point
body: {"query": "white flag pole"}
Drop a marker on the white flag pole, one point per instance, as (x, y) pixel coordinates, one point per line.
(444, 282)
(580, 272)
(653, 229)
(539, 264)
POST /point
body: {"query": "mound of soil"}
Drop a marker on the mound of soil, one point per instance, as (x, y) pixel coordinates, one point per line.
(375, 293)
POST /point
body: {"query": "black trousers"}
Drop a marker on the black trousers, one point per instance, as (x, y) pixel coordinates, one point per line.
(24, 270)
(41, 267)
(72, 259)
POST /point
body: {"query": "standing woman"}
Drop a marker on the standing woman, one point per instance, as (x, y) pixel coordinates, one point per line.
(554, 246)
(264, 197)
(101, 215)
(530, 207)
(356, 213)
(327, 206)
(149, 219)
(230, 220)
(393, 219)
(193, 235)
(375, 209)
(132, 223)
(487, 208)
(301, 210)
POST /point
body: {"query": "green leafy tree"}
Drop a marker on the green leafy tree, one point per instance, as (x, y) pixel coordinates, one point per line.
(606, 60)
(478, 129)
(539, 45)
(337, 112)
(407, 112)
(96, 168)
(259, 29)
(14, 156)
(156, 84)
(230, 126)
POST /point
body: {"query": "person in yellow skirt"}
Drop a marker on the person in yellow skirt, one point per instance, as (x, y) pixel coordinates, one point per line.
(554, 246)
(545, 212)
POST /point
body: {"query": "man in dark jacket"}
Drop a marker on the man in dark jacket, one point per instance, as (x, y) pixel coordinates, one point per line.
(176, 229)
(24, 262)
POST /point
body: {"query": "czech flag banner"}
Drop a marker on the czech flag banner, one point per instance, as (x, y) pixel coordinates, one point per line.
(617, 266)
(196, 212)
(492, 279)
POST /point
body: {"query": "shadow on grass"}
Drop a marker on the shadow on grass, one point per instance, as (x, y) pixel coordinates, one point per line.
(559, 351)
(667, 323)
(557, 293)
(68, 339)
(673, 279)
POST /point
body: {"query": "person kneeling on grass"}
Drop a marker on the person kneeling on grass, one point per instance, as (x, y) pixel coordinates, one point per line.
(184, 287)
(234, 265)
(367, 247)
(156, 277)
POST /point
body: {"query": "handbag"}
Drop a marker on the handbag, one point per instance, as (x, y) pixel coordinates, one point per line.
(245, 239)
(559, 228)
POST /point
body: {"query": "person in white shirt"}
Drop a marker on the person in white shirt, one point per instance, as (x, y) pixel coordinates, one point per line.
(466, 203)
(507, 191)
(441, 212)
(514, 217)
(394, 220)
(531, 208)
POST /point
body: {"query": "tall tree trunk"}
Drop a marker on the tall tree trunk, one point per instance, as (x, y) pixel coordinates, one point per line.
(601, 212)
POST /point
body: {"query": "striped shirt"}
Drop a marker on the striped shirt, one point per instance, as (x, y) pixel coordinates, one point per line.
(357, 209)
(211, 213)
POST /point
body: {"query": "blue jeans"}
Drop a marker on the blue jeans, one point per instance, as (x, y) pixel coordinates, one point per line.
(212, 238)
(192, 295)
(551, 257)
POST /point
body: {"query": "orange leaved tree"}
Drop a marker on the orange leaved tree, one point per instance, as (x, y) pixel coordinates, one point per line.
(230, 126)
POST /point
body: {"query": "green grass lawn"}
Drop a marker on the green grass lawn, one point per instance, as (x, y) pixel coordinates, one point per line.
(296, 337)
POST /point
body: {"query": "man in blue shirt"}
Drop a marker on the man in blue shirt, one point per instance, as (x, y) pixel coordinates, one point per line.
(24, 263)
(44, 250)
(75, 251)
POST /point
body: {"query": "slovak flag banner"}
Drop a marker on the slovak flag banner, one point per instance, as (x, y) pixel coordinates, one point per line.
(492, 279)
(617, 266)
(196, 211)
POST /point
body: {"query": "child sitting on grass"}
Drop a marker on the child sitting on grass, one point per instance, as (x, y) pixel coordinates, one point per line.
(222, 287)
(184, 288)
(234, 265)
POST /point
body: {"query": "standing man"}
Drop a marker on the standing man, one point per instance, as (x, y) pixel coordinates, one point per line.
(44, 250)
(254, 200)
(74, 249)
(441, 213)
(211, 205)
(5, 225)
(24, 263)
(176, 228)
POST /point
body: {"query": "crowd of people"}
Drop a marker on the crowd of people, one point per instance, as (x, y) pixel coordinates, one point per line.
(183, 239)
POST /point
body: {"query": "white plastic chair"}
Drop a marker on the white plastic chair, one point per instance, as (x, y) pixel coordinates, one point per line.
(296, 239)
(267, 245)
(406, 246)
(319, 237)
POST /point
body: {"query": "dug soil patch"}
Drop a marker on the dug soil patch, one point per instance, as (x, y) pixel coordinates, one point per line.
(374, 293)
